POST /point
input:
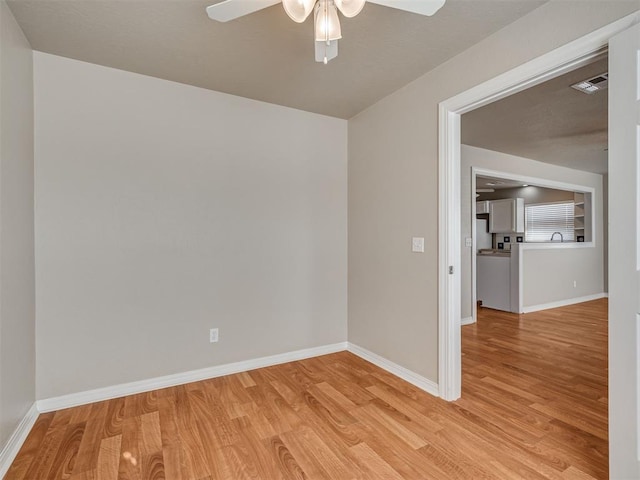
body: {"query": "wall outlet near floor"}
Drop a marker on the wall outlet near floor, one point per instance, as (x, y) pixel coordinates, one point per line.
(213, 335)
(575, 284)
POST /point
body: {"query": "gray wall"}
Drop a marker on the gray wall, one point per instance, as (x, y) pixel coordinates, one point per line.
(548, 275)
(163, 210)
(393, 190)
(17, 288)
(624, 258)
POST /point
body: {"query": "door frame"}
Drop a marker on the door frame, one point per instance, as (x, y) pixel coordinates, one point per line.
(559, 61)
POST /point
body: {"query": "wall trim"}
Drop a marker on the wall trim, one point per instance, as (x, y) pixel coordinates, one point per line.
(563, 303)
(467, 321)
(17, 438)
(115, 391)
(405, 374)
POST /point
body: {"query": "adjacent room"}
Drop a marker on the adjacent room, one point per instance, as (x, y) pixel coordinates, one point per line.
(533, 195)
(221, 249)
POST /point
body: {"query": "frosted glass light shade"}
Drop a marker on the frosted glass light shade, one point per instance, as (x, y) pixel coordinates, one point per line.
(326, 51)
(350, 8)
(298, 10)
(327, 24)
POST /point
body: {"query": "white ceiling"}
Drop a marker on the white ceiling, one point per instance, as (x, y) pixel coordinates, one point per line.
(264, 56)
(551, 122)
(496, 183)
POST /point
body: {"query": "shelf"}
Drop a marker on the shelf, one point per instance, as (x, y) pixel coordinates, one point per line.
(582, 215)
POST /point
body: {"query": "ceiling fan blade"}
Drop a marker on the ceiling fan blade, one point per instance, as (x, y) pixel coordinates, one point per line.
(422, 7)
(232, 9)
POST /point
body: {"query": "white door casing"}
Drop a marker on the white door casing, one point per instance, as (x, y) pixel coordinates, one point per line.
(559, 61)
(624, 253)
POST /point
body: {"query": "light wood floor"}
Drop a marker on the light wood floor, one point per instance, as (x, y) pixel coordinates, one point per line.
(534, 406)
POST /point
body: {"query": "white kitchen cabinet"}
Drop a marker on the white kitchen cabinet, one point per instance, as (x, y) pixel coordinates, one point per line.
(506, 216)
(482, 207)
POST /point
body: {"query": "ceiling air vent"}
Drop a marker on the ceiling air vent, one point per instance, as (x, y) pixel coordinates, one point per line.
(599, 82)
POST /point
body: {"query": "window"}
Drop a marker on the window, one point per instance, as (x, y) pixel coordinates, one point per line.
(542, 220)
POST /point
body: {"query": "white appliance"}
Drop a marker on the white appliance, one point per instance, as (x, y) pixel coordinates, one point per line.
(494, 281)
(484, 239)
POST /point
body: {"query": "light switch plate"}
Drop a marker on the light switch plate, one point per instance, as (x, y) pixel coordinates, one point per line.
(213, 335)
(417, 244)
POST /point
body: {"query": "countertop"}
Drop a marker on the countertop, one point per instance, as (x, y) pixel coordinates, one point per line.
(494, 253)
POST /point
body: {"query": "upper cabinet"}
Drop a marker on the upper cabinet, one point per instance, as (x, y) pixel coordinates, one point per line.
(482, 207)
(506, 216)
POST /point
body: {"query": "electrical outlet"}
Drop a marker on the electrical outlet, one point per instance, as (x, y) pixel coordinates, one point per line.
(213, 335)
(468, 242)
(575, 284)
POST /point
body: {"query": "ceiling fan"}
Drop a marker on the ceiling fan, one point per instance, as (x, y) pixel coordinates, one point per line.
(326, 22)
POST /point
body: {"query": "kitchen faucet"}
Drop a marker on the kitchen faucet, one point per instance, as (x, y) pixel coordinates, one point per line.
(559, 233)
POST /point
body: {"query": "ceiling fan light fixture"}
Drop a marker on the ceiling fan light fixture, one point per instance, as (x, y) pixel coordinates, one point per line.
(327, 23)
(298, 10)
(350, 8)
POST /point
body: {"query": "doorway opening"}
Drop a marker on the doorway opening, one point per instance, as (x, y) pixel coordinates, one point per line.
(549, 66)
(533, 171)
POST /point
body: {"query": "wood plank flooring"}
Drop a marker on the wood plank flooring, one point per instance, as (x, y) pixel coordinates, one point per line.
(534, 406)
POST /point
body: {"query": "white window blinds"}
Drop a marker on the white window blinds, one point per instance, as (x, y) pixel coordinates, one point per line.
(544, 219)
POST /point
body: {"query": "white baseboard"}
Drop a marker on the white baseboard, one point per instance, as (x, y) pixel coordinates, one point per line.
(17, 438)
(467, 321)
(563, 303)
(413, 378)
(115, 391)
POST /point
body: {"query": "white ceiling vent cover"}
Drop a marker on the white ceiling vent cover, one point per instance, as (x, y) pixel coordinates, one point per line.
(599, 82)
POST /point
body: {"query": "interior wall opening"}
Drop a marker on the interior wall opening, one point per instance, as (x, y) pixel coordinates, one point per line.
(533, 179)
(533, 168)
